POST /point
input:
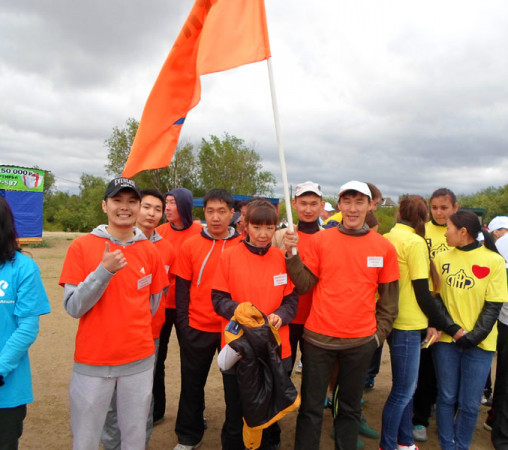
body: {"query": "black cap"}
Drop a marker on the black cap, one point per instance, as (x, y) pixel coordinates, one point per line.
(118, 184)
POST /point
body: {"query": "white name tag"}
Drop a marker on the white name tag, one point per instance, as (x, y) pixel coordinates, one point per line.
(279, 280)
(145, 281)
(374, 261)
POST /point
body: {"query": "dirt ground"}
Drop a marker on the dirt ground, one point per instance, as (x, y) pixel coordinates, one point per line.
(47, 425)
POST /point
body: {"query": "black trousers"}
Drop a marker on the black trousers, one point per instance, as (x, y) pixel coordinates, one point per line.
(426, 389)
(295, 338)
(317, 368)
(11, 426)
(375, 364)
(197, 349)
(159, 387)
(500, 402)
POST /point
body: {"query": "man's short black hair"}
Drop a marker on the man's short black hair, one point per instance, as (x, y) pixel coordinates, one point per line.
(154, 193)
(221, 195)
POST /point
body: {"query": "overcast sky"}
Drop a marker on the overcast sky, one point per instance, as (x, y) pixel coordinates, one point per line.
(410, 95)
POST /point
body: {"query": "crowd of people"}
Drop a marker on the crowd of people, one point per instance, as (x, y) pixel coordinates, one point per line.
(261, 295)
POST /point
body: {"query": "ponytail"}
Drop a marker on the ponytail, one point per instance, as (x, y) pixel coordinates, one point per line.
(413, 211)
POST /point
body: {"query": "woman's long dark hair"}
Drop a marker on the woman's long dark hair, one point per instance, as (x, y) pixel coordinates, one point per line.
(8, 244)
(470, 221)
(414, 212)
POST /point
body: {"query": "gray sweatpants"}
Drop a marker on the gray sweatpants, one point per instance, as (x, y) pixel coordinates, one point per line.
(111, 436)
(90, 398)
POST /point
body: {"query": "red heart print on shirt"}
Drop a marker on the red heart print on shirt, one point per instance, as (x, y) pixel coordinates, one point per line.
(480, 272)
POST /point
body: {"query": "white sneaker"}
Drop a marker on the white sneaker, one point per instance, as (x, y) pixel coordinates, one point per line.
(407, 447)
(420, 433)
(187, 447)
(299, 367)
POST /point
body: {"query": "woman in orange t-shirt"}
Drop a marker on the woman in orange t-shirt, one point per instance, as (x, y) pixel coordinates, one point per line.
(255, 272)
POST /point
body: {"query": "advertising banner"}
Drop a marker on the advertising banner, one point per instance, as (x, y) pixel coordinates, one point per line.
(14, 178)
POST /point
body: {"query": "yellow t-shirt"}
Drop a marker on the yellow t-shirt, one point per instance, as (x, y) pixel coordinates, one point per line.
(435, 237)
(337, 217)
(468, 280)
(413, 258)
(436, 241)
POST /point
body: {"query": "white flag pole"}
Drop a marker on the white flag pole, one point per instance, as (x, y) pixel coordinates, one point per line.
(282, 158)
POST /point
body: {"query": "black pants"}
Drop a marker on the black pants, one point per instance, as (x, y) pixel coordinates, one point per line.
(197, 349)
(375, 364)
(159, 387)
(11, 426)
(426, 389)
(231, 436)
(317, 368)
(500, 402)
(295, 338)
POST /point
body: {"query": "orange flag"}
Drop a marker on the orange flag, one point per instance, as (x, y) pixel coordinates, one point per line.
(218, 35)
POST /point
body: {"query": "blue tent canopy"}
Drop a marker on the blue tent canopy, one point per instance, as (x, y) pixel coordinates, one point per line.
(239, 198)
(27, 210)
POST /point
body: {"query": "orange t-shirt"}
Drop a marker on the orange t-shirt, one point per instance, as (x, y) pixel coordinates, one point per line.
(195, 252)
(349, 269)
(176, 238)
(167, 253)
(118, 328)
(259, 279)
(305, 300)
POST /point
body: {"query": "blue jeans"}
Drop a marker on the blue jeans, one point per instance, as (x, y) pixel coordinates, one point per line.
(461, 376)
(397, 425)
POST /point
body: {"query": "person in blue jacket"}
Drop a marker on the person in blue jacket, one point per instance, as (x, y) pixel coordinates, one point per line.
(22, 300)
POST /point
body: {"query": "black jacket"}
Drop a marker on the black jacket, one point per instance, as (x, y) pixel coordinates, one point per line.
(266, 390)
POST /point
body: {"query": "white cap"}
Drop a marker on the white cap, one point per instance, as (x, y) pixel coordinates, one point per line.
(328, 207)
(358, 186)
(497, 223)
(308, 187)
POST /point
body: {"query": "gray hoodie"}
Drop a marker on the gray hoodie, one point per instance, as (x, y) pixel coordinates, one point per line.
(78, 300)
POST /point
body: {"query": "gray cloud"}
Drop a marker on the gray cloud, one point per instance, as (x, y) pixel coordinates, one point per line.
(410, 97)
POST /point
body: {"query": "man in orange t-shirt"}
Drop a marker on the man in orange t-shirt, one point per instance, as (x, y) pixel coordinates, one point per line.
(114, 280)
(179, 227)
(308, 204)
(346, 265)
(149, 216)
(198, 325)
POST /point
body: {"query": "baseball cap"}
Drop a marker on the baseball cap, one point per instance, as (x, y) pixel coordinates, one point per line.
(118, 184)
(308, 187)
(498, 223)
(328, 207)
(358, 186)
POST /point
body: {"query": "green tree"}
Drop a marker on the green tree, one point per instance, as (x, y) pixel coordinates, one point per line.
(49, 184)
(226, 163)
(231, 165)
(81, 212)
(53, 205)
(283, 212)
(386, 218)
(493, 200)
(92, 190)
(119, 145)
(182, 172)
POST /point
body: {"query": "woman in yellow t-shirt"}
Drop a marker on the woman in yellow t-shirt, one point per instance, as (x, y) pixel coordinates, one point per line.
(473, 288)
(443, 203)
(416, 304)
